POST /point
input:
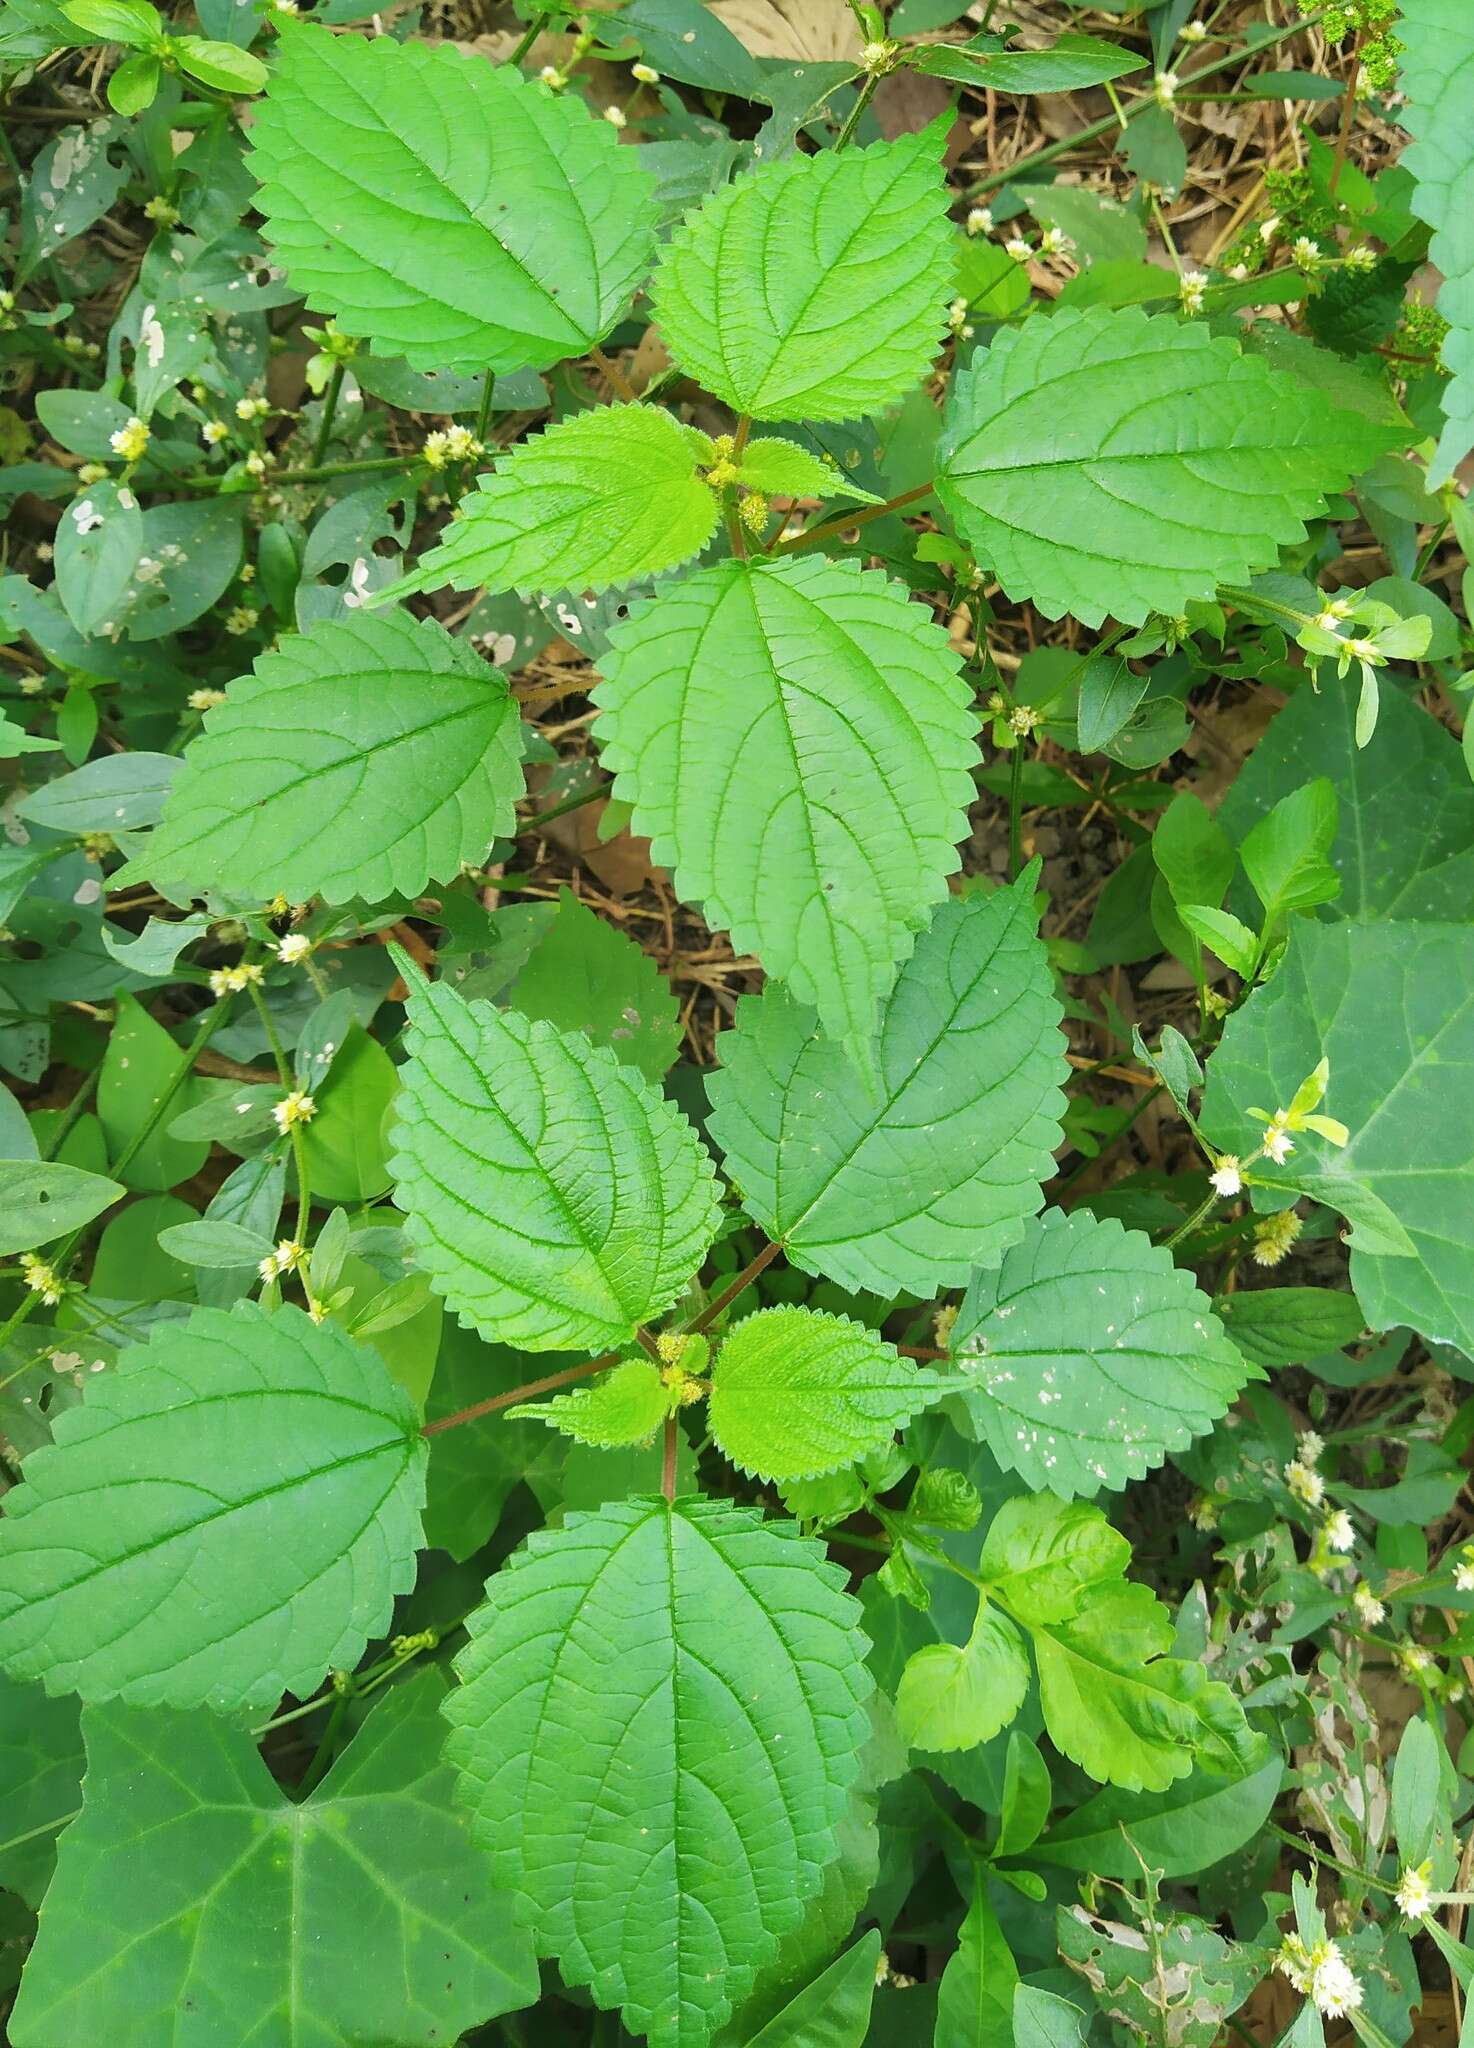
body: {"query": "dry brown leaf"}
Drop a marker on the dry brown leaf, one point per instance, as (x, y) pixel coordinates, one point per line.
(803, 31)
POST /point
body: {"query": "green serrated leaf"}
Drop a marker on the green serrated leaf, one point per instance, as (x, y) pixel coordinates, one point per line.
(305, 1532)
(796, 1393)
(850, 707)
(41, 1200)
(454, 212)
(782, 469)
(913, 1176)
(625, 1406)
(587, 974)
(710, 1660)
(1045, 1556)
(603, 498)
(1437, 38)
(1090, 1356)
(851, 327)
(954, 1697)
(1103, 462)
(366, 756)
(1279, 1326)
(195, 1902)
(554, 1198)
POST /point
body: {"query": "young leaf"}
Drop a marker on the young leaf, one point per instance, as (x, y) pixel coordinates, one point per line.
(955, 1698)
(366, 756)
(914, 1176)
(41, 1200)
(975, 1997)
(1090, 1355)
(853, 325)
(1437, 77)
(782, 469)
(796, 1393)
(266, 1461)
(1236, 946)
(1045, 1556)
(604, 497)
(1105, 462)
(1286, 855)
(181, 1816)
(850, 707)
(586, 974)
(625, 1406)
(622, 1759)
(454, 212)
(554, 1198)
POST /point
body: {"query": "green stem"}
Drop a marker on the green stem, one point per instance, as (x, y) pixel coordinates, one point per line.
(1185, 1229)
(570, 803)
(539, 23)
(1376, 1884)
(71, 1114)
(329, 413)
(1015, 807)
(483, 416)
(209, 486)
(852, 120)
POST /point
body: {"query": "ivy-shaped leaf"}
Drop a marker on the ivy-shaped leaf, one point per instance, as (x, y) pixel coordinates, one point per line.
(1101, 462)
(365, 757)
(1090, 1355)
(815, 810)
(360, 1914)
(796, 1393)
(662, 1707)
(1438, 81)
(846, 326)
(602, 498)
(554, 1197)
(913, 1176)
(228, 1514)
(454, 212)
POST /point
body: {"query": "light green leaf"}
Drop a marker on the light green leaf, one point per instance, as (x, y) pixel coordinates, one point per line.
(602, 498)
(833, 2011)
(226, 1246)
(796, 1393)
(1040, 2020)
(366, 756)
(975, 1998)
(842, 331)
(114, 793)
(662, 1618)
(1286, 855)
(850, 708)
(954, 1697)
(625, 1406)
(1236, 946)
(1070, 62)
(15, 741)
(298, 1544)
(1090, 1355)
(1392, 1007)
(41, 1200)
(913, 1176)
(1044, 1556)
(224, 65)
(1101, 461)
(137, 1069)
(40, 1781)
(454, 212)
(195, 1902)
(587, 974)
(782, 469)
(98, 540)
(1437, 39)
(554, 1198)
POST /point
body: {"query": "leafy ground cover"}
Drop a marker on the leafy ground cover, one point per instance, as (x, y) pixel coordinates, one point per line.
(737, 1209)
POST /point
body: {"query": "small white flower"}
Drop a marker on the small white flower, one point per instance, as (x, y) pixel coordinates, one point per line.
(1203, 1513)
(257, 464)
(1055, 242)
(1278, 1144)
(552, 78)
(980, 220)
(1338, 1532)
(293, 949)
(241, 618)
(1164, 88)
(130, 441)
(616, 117)
(1226, 1179)
(1190, 288)
(1360, 258)
(252, 408)
(1193, 32)
(1364, 650)
(204, 700)
(358, 584)
(296, 1108)
(1018, 249)
(1414, 1659)
(1334, 1988)
(646, 73)
(91, 473)
(1414, 1894)
(41, 1278)
(226, 981)
(267, 1267)
(1306, 253)
(1369, 1609)
(213, 432)
(1238, 272)
(1311, 1447)
(1464, 1569)
(1305, 1483)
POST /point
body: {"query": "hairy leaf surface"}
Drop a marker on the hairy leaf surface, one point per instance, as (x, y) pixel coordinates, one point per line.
(664, 1791)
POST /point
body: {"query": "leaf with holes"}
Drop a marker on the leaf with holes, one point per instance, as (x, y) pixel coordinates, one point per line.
(914, 1176)
(1089, 1355)
(554, 1198)
(452, 211)
(227, 1515)
(851, 708)
(365, 756)
(1101, 462)
(845, 327)
(664, 1792)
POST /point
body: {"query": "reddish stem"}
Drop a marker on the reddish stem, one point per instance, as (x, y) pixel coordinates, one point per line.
(544, 1386)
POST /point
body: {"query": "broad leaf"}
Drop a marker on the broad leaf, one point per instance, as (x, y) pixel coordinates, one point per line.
(41, 1200)
(1090, 1356)
(796, 1393)
(1044, 1556)
(360, 1914)
(955, 1696)
(975, 1998)
(41, 1764)
(1438, 79)
(451, 210)
(554, 1198)
(1193, 1824)
(912, 1176)
(834, 2010)
(624, 1406)
(664, 1790)
(851, 709)
(363, 757)
(846, 328)
(123, 1574)
(1392, 1008)
(587, 974)
(1278, 1326)
(604, 497)
(1103, 462)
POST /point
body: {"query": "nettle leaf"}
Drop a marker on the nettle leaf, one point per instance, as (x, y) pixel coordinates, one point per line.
(841, 331)
(796, 1393)
(664, 1791)
(604, 497)
(851, 708)
(124, 1575)
(1090, 1355)
(1391, 1006)
(911, 1176)
(783, 469)
(1437, 78)
(361, 1913)
(454, 212)
(1103, 462)
(624, 1406)
(365, 757)
(554, 1197)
